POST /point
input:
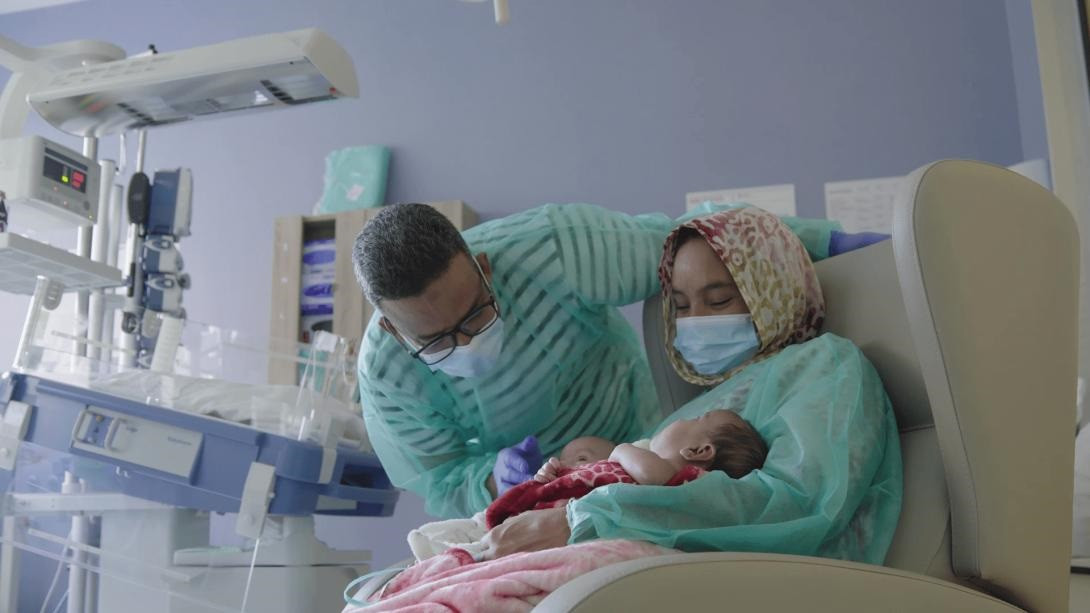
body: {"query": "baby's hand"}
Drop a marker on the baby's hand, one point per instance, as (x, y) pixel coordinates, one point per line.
(549, 471)
(646, 467)
(620, 451)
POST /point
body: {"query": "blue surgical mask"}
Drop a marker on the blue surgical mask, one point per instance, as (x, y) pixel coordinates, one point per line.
(476, 358)
(716, 343)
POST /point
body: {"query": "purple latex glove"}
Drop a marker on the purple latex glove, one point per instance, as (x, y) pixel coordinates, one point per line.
(842, 242)
(516, 464)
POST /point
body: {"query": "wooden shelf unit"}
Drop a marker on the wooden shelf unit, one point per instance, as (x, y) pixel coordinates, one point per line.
(351, 311)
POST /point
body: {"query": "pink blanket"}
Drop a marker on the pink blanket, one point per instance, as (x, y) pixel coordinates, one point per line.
(453, 582)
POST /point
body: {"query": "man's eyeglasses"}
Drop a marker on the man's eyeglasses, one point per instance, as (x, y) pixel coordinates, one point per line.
(480, 319)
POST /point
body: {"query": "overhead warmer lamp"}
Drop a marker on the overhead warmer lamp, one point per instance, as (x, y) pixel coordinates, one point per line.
(91, 89)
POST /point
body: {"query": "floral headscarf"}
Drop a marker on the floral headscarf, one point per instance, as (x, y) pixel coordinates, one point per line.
(773, 273)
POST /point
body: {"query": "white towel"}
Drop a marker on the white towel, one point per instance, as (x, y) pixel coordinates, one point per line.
(436, 537)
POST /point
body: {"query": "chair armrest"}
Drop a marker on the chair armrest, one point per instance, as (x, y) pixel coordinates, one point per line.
(762, 582)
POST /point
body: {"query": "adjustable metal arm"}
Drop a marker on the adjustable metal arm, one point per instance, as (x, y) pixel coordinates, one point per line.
(30, 67)
(16, 57)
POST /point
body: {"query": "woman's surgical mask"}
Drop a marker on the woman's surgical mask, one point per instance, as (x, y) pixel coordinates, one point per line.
(716, 343)
(477, 357)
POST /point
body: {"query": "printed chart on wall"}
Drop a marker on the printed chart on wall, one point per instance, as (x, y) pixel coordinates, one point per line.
(862, 206)
(866, 205)
(778, 199)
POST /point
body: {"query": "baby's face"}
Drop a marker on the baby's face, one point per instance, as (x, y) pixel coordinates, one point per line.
(688, 433)
(586, 450)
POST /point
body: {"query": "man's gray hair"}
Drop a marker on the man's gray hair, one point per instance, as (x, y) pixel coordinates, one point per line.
(403, 249)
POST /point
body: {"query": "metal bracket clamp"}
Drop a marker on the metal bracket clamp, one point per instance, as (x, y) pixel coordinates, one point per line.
(13, 429)
(256, 494)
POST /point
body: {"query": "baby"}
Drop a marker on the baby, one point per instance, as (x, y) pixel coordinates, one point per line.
(681, 452)
(717, 440)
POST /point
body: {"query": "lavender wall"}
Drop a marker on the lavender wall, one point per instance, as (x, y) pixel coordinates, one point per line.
(1027, 80)
(626, 104)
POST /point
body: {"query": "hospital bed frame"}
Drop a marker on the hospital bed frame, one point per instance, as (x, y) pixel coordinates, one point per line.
(970, 316)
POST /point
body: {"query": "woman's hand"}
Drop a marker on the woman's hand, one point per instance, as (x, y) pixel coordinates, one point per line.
(549, 471)
(529, 531)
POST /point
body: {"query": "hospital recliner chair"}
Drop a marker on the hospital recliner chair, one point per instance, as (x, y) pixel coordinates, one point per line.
(970, 316)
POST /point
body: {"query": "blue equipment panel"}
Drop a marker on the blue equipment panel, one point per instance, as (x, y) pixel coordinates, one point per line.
(210, 470)
(169, 211)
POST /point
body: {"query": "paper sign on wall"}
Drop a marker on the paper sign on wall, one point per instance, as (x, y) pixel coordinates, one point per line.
(778, 199)
(862, 206)
(867, 205)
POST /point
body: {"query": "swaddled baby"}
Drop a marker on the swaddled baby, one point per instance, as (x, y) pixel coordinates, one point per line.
(681, 452)
(739, 448)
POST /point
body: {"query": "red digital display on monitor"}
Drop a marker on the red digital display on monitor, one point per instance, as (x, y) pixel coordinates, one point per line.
(65, 173)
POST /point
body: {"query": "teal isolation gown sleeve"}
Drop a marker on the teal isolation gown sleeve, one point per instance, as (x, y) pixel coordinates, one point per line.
(570, 364)
(610, 258)
(831, 485)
